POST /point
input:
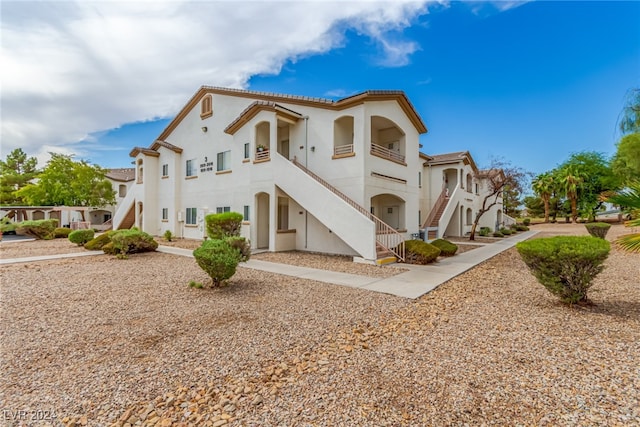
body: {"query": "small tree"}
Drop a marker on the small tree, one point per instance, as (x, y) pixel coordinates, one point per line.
(498, 177)
(565, 265)
(543, 186)
(219, 257)
(15, 173)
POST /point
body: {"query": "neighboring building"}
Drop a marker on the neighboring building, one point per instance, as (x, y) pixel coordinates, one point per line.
(121, 181)
(342, 177)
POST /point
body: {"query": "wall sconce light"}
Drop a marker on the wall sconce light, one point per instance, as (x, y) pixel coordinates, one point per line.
(204, 129)
(313, 148)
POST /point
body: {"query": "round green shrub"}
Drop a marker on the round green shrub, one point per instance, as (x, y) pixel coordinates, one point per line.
(598, 229)
(506, 232)
(242, 245)
(80, 237)
(61, 233)
(446, 247)
(419, 252)
(484, 231)
(565, 265)
(522, 228)
(497, 234)
(219, 259)
(526, 221)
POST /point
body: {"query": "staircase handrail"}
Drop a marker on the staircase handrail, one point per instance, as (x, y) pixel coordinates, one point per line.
(390, 234)
(440, 202)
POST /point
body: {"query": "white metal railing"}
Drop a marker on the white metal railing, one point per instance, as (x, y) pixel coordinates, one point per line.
(343, 149)
(386, 236)
(385, 153)
(262, 155)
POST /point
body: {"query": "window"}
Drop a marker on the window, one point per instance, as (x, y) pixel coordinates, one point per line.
(224, 162)
(419, 179)
(192, 216)
(206, 107)
(245, 215)
(122, 190)
(165, 214)
(191, 168)
(222, 209)
(247, 154)
(165, 170)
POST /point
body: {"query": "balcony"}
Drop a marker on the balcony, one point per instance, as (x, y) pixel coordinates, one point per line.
(343, 151)
(385, 153)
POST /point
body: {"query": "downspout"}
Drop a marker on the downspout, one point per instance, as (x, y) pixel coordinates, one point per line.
(306, 155)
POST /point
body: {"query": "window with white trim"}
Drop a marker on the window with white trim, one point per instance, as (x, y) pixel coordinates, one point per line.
(222, 209)
(247, 152)
(192, 216)
(165, 214)
(245, 216)
(224, 161)
(191, 168)
(165, 169)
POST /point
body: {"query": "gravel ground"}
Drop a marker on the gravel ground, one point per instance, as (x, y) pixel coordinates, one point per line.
(104, 341)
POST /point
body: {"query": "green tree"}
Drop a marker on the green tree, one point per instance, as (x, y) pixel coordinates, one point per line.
(583, 178)
(630, 117)
(15, 173)
(630, 199)
(534, 205)
(65, 182)
(544, 185)
(626, 161)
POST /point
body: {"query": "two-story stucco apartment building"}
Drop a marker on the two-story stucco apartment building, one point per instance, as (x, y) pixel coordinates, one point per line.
(342, 177)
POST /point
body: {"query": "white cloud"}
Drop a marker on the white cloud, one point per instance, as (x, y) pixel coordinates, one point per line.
(74, 68)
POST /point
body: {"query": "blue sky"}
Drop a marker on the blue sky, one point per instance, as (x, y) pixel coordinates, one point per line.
(528, 82)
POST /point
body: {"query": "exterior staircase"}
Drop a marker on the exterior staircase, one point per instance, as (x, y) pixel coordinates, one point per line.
(129, 219)
(430, 225)
(356, 223)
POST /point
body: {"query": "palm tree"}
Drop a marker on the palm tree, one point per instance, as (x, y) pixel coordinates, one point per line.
(630, 199)
(543, 185)
(570, 180)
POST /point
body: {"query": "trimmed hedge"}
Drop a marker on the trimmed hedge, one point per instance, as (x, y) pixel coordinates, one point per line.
(132, 241)
(61, 233)
(222, 225)
(419, 252)
(80, 237)
(99, 241)
(598, 229)
(484, 231)
(219, 259)
(497, 234)
(526, 222)
(40, 229)
(446, 247)
(565, 265)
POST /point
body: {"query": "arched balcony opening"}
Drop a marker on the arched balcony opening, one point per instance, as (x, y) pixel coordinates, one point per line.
(343, 134)
(387, 140)
(263, 141)
(390, 209)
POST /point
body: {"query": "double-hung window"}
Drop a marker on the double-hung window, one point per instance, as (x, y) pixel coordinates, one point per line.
(165, 214)
(224, 161)
(165, 169)
(192, 216)
(222, 209)
(192, 169)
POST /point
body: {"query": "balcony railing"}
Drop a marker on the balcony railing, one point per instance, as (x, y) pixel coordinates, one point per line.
(262, 155)
(342, 150)
(385, 153)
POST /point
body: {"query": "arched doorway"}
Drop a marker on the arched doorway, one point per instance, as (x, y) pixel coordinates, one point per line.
(262, 221)
(390, 209)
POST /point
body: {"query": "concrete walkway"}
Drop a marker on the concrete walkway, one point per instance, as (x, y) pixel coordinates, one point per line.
(414, 283)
